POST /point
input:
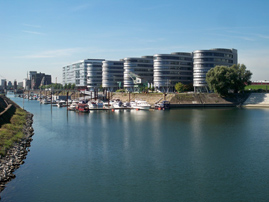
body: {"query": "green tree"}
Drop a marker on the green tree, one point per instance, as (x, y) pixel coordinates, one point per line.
(221, 79)
(73, 86)
(241, 78)
(180, 87)
(188, 87)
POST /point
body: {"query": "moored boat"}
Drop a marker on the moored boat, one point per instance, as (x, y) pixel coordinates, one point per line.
(73, 105)
(82, 108)
(140, 104)
(162, 105)
(92, 105)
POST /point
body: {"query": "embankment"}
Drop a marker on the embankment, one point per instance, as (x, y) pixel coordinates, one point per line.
(185, 99)
(17, 152)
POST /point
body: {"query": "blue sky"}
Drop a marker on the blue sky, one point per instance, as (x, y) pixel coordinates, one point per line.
(46, 35)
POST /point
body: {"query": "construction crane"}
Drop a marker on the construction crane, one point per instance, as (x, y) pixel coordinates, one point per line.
(138, 81)
(136, 78)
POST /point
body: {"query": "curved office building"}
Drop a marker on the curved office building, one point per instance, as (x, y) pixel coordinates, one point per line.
(112, 75)
(204, 60)
(94, 74)
(142, 67)
(76, 73)
(170, 69)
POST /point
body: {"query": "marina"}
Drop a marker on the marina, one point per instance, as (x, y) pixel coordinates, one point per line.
(129, 155)
(86, 105)
(133, 101)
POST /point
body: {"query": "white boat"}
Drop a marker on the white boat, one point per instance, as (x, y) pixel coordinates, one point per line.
(45, 101)
(140, 104)
(126, 104)
(61, 103)
(100, 104)
(116, 103)
(73, 105)
(92, 105)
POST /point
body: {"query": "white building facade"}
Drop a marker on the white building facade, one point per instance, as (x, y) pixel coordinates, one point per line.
(77, 73)
(204, 60)
(141, 67)
(170, 69)
(112, 75)
(94, 74)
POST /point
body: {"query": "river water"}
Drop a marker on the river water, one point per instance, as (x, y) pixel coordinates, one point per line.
(177, 155)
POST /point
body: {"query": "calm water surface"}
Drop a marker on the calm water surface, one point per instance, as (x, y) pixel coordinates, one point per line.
(176, 155)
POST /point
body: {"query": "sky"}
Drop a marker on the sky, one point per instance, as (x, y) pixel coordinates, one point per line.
(45, 35)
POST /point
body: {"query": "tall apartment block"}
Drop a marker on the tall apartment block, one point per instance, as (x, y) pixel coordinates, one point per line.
(142, 67)
(77, 73)
(170, 69)
(3, 83)
(204, 60)
(112, 72)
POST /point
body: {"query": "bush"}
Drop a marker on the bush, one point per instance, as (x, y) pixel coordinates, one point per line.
(120, 90)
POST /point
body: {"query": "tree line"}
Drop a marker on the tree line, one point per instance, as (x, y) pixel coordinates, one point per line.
(59, 86)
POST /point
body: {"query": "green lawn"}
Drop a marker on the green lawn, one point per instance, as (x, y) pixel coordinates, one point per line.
(12, 132)
(257, 87)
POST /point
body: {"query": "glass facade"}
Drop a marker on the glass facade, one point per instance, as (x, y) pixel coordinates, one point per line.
(112, 72)
(77, 73)
(143, 67)
(170, 69)
(204, 60)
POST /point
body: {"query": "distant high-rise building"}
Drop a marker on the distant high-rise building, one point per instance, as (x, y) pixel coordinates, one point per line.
(20, 84)
(9, 84)
(36, 79)
(15, 85)
(26, 84)
(3, 81)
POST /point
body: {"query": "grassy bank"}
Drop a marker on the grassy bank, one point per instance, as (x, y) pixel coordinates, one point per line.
(13, 131)
(257, 87)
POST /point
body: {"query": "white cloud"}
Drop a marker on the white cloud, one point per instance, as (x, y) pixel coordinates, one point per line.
(32, 32)
(263, 36)
(28, 25)
(53, 53)
(81, 7)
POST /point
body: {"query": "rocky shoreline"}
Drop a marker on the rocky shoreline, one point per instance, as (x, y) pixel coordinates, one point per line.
(15, 155)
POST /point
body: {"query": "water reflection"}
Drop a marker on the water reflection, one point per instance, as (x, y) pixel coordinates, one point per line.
(176, 155)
